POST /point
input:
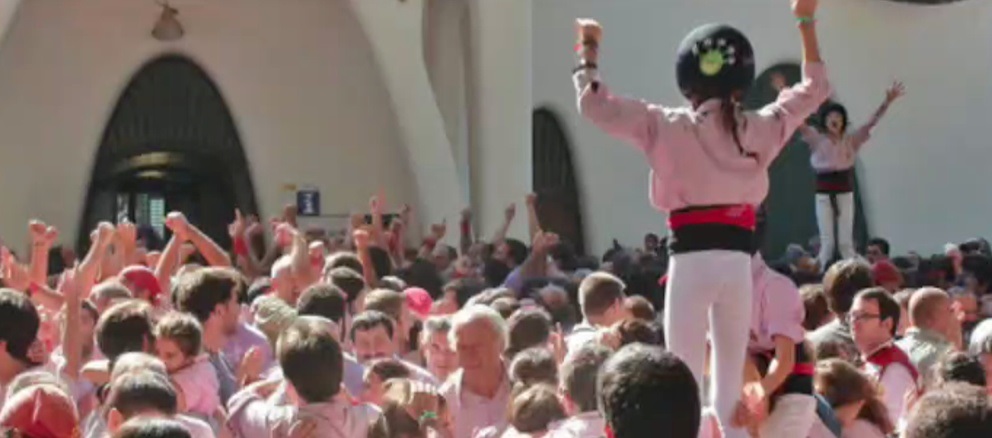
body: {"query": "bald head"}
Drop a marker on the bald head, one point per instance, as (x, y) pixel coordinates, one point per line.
(929, 307)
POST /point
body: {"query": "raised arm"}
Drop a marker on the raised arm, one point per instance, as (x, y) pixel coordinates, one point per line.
(211, 251)
(778, 120)
(533, 222)
(808, 133)
(862, 134)
(634, 121)
(42, 239)
(508, 215)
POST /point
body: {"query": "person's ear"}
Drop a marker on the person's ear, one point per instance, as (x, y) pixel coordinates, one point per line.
(114, 420)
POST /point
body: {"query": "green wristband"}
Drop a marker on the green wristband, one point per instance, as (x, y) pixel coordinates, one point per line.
(806, 20)
(428, 415)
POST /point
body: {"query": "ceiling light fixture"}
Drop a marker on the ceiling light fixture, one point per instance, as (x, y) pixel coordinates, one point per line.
(167, 28)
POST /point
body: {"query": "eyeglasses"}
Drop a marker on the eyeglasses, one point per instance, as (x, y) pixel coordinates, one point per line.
(855, 317)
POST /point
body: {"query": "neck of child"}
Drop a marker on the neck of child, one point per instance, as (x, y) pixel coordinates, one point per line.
(9, 369)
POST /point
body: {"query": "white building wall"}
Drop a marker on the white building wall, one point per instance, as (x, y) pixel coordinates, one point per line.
(301, 82)
(924, 172)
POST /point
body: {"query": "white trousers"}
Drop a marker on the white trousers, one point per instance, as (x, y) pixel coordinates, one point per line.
(711, 290)
(844, 239)
(793, 417)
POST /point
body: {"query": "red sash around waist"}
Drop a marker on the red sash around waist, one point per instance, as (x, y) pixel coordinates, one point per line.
(741, 216)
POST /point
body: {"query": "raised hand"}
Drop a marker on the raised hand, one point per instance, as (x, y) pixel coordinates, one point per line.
(895, 91)
(804, 8)
(588, 30)
(439, 230)
(253, 226)
(42, 234)
(285, 233)
(237, 228)
(510, 212)
(14, 274)
(252, 364)
(375, 206)
(177, 223)
(467, 214)
(531, 200)
(127, 232)
(362, 238)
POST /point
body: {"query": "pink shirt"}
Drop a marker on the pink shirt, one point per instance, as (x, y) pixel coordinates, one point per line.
(251, 416)
(199, 386)
(473, 413)
(693, 157)
(776, 308)
(826, 155)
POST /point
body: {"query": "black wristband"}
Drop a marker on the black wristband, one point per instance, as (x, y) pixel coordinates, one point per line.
(585, 65)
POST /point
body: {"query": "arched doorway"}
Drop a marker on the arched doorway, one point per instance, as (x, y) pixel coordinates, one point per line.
(554, 181)
(791, 211)
(170, 144)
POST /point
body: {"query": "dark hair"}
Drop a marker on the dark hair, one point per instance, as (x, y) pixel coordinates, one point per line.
(534, 365)
(311, 360)
(386, 301)
(201, 291)
(182, 329)
(139, 392)
(980, 267)
(348, 280)
(644, 389)
(258, 288)
(578, 374)
(124, 328)
(495, 272)
(517, 250)
(382, 264)
(393, 283)
(833, 107)
(505, 306)
(640, 308)
(882, 244)
(389, 369)
(952, 411)
(961, 367)
(841, 383)
(637, 331)
(369, 320)
(343, 259)
(423, 274)
(815, 303)
(19, 323)
(888, 308)
(843, 281)
(464, 288)
(534, 408)
(322, 299)
(152, 427)
(598, 291)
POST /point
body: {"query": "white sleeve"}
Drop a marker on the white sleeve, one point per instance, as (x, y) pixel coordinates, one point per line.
(896, 382)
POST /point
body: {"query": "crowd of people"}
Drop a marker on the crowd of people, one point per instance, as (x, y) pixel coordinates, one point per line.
(380, 335)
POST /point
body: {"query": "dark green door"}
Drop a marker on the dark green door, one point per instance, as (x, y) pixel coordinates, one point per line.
(790, 203)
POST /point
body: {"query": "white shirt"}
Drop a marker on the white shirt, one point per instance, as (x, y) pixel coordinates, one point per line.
(252, 417)
(473, 413)
(862, 429)
(895, 383)
(584, 425)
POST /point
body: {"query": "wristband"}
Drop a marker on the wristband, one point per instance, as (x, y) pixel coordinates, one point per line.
(33, 288)
(806, 20)
(428, 415)
(240, 246)
(585, 65)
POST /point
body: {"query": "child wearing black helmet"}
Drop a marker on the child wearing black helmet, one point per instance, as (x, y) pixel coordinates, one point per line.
(709, 170)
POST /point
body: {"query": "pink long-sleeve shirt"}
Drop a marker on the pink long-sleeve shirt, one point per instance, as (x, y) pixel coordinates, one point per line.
(200, 387)
(693, 157)
(827, 155)
(776, 308)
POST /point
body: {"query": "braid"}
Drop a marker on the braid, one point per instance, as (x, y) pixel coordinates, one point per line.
(728, 109)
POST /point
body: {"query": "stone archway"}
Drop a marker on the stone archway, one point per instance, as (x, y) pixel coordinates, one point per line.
(170, 144)
(791, 210)
(554, 179)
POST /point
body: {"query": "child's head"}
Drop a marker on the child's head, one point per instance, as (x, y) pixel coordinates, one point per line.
(377, 375)
(178, 337)
(833, 117)
(715, 61)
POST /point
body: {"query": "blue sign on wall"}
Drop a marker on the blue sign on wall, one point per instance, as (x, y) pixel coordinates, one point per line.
(308, 202)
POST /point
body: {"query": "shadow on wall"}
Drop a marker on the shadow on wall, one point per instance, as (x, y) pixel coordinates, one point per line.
(790, 202)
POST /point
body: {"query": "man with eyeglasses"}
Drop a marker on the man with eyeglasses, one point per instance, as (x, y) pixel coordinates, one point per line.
(873, 319)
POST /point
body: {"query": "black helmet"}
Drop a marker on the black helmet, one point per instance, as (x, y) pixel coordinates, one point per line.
(714, 60)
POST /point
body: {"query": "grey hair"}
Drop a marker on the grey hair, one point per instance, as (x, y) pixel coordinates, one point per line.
(135, 362)
(435, 324)
(476, 313)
